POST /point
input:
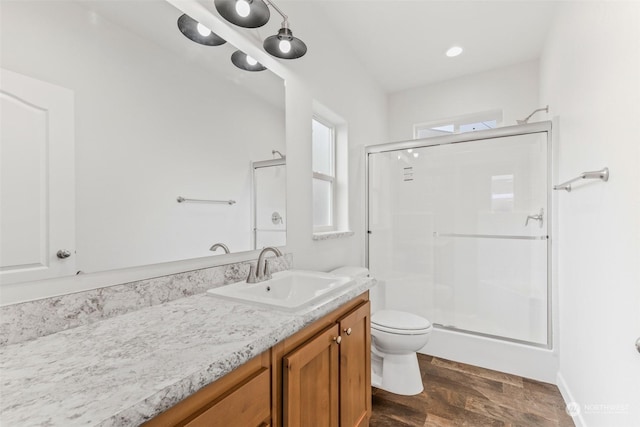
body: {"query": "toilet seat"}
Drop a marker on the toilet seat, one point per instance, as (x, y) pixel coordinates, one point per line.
(400, 323)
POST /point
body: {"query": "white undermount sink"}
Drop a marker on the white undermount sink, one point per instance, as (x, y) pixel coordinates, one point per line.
(290, 290)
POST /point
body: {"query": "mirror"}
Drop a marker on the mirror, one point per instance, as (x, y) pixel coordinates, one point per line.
(154, 116)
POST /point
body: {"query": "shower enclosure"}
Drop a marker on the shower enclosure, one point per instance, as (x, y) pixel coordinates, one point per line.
(269, 203)
(458, 231)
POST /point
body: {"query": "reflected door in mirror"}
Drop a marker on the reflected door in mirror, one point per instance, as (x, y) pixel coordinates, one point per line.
(37, 216)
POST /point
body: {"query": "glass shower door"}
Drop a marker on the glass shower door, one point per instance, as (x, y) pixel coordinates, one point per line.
(458, 234)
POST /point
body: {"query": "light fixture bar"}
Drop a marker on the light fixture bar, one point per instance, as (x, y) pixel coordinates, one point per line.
(273, 5)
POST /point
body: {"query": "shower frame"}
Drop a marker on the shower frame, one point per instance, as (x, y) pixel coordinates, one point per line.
(502, 132)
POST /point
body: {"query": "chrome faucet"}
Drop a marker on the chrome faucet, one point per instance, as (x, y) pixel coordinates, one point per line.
(262, 266)
(222, 246)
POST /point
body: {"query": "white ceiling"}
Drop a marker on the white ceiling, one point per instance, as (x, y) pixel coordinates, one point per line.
(403, 43)
(400, 42)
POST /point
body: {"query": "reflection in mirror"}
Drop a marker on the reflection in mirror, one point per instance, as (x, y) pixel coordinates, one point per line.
(269, 189)
(153, 115)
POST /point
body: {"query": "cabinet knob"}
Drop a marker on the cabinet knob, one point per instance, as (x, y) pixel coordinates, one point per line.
(338, 339)
(347, 331)
(63, 253)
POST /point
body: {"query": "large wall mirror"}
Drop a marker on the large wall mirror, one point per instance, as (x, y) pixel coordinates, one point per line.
(109, 114)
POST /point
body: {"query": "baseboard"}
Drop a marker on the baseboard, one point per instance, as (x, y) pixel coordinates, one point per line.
(568, 398)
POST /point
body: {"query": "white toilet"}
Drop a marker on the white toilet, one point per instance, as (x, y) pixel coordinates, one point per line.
(396, 336)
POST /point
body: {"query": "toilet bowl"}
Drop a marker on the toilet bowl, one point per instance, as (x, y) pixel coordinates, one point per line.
(396, 336)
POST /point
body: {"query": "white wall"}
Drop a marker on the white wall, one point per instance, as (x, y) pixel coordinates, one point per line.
(149, 127)
(590, 77)
(513, 89)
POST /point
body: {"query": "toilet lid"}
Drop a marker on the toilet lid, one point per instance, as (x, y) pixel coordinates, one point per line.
(399, 321)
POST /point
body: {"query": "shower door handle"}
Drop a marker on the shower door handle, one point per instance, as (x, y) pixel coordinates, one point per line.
(538, 217)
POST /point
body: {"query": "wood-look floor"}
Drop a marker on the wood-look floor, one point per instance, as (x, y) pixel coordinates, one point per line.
(456, 394)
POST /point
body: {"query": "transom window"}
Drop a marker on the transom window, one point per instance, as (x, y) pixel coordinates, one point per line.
(461, 124)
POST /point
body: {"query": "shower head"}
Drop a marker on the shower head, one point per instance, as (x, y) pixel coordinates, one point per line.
(526, 120)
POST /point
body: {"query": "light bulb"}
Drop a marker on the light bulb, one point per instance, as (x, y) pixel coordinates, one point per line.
(242, 8)
(284, 46)
(204, 31)
(410, 150)
(454, 51)
(251, 61)
(416, 154)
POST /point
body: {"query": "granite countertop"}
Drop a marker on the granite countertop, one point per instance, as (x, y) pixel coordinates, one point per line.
(125, 370)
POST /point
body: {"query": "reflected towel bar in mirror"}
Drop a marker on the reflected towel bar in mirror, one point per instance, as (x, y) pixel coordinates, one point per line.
(602, 174)
(181, 199)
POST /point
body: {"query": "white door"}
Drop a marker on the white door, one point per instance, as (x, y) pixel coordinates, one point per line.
(37, 179)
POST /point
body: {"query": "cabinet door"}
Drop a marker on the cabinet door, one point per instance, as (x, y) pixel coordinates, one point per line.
(310, 382)
(355, 367)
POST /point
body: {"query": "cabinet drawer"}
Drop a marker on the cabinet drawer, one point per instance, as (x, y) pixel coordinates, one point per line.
(241, 398)
(248, 405)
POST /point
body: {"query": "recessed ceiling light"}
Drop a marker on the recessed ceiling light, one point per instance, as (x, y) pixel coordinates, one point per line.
(454, 51)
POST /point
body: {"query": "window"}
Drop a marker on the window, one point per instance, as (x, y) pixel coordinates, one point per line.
(323, 141)
(461, 124)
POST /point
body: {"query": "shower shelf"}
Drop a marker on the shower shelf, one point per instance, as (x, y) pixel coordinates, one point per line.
(489, 236)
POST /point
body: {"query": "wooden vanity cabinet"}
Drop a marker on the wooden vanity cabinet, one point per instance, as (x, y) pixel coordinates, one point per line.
(326, 371)
(355, 367)
(311, 382)
(320, 376)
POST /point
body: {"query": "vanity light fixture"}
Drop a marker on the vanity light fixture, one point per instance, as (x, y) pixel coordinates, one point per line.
(246, 62)
(254, 14)
(244, 13)
(284, 45)
(198, 33)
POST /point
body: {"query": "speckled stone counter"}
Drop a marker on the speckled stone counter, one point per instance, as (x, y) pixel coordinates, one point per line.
(125, 370)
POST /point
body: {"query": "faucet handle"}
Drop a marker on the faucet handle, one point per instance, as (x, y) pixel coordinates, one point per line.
(267, 270)
(251, 278)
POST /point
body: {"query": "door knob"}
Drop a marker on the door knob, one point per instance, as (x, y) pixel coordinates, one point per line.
(63, 253)
(337, 339)
(638, 345)
(347, 331)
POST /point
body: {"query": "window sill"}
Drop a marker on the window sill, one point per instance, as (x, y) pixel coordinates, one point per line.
(326, 235)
